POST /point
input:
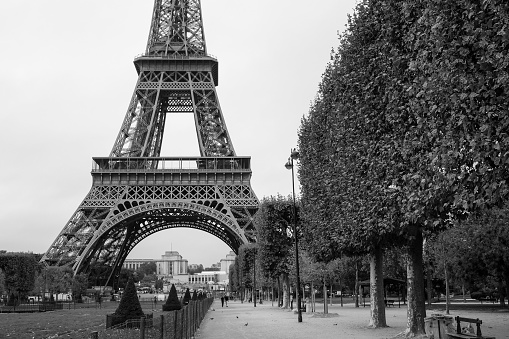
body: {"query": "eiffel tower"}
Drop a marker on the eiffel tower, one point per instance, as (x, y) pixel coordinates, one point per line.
(136, 192)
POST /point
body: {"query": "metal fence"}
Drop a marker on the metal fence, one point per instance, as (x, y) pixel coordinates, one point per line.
(41, 306)
(181, 324)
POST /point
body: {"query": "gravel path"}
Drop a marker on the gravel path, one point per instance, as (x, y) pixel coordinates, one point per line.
(243, 321)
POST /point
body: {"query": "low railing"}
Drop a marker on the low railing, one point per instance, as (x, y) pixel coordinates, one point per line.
(175, 56)
(181, 324)
(200, 164)
(32, 307)
(44, 306)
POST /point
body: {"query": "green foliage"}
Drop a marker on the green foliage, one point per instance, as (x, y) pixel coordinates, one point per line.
(274, 222)
(408, 128)
(159, 284)
(187, 297)
(235, 277)
(2, 282)
(199, 269)
(129, 306)
(148, 268)
(19, 270)
(247, 257)
(232, 277)
(173, 302)
(195, 296)
(79, 286)
(99, 274)
(460, 76)
(124, 276)
(475, 251)
(58, 279)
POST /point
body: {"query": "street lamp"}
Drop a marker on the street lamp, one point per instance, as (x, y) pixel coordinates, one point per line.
(294, 155)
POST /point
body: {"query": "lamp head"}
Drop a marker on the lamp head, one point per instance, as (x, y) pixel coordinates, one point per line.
(289, 164)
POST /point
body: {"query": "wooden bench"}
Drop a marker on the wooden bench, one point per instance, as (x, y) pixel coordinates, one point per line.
(389, 302)
(458, 333)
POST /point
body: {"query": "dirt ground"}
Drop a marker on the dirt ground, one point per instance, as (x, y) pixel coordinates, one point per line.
(266, 321)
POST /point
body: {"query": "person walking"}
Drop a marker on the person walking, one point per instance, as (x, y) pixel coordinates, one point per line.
(226, 300)
(222, 301)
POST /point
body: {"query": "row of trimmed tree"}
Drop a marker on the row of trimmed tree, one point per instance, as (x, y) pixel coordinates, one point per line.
(407, 144)
(403, 155)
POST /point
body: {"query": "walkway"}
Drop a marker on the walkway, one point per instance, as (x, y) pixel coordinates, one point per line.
(243, 321)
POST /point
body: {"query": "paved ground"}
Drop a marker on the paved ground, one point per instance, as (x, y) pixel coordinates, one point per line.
(243, 321)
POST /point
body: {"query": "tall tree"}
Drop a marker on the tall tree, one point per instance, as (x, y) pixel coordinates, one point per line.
(2, 282)
(275, 240)
(19, 273)
(148, 268)
(58, 279)
(407, 130)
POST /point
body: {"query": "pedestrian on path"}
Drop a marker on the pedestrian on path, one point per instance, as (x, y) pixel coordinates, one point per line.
(226, 300)
(222, 301)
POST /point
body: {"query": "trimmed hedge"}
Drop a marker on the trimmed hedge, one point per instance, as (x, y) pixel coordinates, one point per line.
(173, 302)
(129, 307)
(187, 297)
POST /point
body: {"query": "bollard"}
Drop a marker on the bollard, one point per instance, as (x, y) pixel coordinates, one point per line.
(94, 335)
(142, 328)
(161, 328)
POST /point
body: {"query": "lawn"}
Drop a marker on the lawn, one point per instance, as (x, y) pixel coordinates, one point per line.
(73, 323)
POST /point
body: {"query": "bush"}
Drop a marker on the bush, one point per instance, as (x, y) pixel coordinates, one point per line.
(187, 297)
(195, 296)
(476, 295)
(129, 307)
(173, 302)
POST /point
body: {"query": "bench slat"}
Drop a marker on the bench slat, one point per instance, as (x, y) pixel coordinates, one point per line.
(470, 320)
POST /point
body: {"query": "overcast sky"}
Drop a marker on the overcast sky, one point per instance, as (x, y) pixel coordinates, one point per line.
(67, 77)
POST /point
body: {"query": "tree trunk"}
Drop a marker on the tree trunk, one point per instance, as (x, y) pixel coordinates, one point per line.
(415, 281)
(272, 295)
(356, 288)
(429, 283)
(325, 309)
(279, 298)
(501, 290)
(447, 293)
(286, 290)
(313, 305)
(506, 277)
(331, 296)
(377, 318)
(463, 291)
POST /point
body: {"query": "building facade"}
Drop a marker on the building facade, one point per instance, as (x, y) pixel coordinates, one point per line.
(229, 260)
(171, 264)
(134, 264)
(173, 269)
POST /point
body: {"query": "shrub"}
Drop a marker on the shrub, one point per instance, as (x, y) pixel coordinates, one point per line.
(187, 297)
(195, 296)
(129, 307)
(173, 302)
(476, 295)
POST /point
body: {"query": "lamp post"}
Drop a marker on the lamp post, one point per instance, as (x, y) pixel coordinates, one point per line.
(289, 165)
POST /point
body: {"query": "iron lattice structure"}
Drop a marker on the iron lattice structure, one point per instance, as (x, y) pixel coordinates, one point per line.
(136, 192)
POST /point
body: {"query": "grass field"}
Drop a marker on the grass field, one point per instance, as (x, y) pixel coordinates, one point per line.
(73, 323)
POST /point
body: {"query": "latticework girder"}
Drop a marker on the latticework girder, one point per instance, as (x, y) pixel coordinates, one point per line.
(176, 29)
(135, 192)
